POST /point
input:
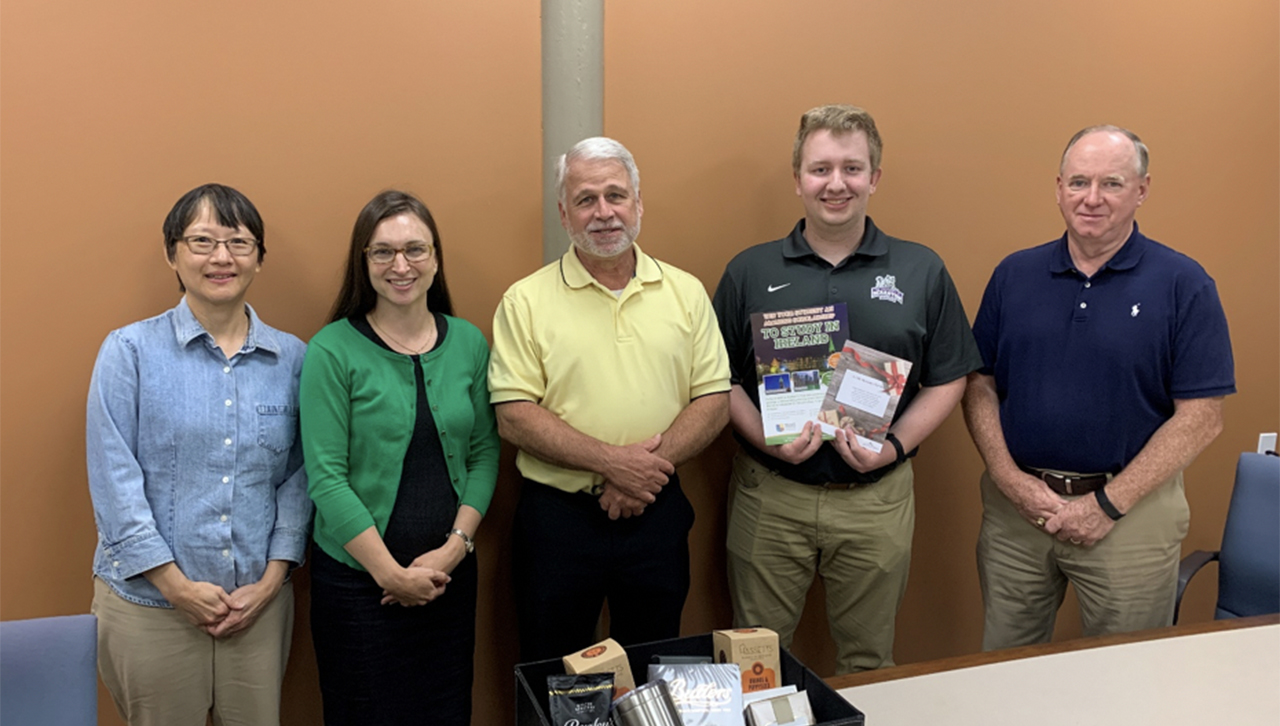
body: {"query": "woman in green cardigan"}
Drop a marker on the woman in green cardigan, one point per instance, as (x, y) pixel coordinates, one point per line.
(402, 457)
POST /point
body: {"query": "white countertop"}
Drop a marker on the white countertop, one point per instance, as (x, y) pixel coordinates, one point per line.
(1227, 678)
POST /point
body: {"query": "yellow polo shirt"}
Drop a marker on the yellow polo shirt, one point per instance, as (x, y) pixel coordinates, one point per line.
(617, 368)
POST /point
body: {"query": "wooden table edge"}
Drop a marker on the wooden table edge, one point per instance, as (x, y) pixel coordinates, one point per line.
(1031, 651)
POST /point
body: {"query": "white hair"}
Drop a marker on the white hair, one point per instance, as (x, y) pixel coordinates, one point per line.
(1142, 155)
(597, 148)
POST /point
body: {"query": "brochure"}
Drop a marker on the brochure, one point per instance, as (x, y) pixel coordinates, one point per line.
(795, 359)
(864, 394)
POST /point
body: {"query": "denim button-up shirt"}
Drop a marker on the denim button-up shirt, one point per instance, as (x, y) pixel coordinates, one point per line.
(195, 458)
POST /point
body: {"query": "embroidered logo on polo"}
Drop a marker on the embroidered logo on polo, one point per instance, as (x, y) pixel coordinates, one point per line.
(886, 289)
(1133, 312)
(775, 288)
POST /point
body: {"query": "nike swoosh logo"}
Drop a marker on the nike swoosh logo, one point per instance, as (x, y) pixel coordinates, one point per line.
(775, 288)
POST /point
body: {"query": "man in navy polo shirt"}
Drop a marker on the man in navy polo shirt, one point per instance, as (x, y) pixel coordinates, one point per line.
(836, 509)
(1105, 361)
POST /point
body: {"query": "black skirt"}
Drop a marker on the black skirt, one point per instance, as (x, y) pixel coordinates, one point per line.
(389, 664)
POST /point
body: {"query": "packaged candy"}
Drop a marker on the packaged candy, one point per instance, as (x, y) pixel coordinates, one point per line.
(706, 695)
(580, 700)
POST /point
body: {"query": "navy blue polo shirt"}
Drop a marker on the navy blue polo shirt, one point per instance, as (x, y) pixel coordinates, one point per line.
(1087, 368)
(900, 300)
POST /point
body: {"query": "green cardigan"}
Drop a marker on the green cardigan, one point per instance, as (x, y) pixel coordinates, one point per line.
(358, 403)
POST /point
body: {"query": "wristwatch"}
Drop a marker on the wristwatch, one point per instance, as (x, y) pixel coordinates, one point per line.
(466, 541)
(897, 446)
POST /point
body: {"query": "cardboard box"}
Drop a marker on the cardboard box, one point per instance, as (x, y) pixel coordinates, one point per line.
(829, 708)
(603, 657)
(789, 710)
(755, 650)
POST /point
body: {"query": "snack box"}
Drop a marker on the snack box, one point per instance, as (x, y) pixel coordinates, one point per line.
(755, 650)
(828, 707)
(603, 657)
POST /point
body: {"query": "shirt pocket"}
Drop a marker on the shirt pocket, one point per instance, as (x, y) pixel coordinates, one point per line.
(277, 426)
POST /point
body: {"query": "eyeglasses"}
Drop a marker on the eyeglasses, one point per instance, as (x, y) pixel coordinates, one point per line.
(385, 254)
(238, 246)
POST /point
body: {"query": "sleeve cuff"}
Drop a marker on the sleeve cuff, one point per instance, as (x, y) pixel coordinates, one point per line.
(287, 544)
(135, 557)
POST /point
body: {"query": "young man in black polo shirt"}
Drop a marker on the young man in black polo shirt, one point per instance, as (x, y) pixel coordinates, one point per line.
(837, 509)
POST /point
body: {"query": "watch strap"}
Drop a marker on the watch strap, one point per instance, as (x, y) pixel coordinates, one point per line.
(1105, 503)
(897, 446)
(466, 539)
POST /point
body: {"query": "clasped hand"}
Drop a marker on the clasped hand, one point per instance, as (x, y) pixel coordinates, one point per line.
(633, 478)
(1079, 521)
(417, 584)
(220, 614)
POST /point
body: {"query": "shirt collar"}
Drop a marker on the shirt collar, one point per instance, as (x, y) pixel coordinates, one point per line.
(1125, 258)
(576, 276)
(873, 242)
(186, 329)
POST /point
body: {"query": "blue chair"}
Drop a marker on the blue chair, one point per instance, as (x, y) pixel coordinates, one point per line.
(49, 671)
(1249, 561)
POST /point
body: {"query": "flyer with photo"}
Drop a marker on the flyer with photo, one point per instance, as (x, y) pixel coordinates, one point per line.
(864, 394)
(795, 359)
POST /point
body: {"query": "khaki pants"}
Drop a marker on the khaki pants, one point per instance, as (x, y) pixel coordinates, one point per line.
(782, 533)
(162, 671)
(1126, 582)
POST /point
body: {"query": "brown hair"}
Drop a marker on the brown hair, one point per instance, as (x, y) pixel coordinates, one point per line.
(357, 295)
(837, 118)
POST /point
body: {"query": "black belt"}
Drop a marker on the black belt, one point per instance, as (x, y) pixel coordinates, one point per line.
(1069, 485)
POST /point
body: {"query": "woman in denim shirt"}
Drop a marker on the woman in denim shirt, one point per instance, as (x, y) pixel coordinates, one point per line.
(195, 469)
(402, 458)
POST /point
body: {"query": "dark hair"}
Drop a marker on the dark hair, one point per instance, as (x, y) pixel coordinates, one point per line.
(230, 207)
(357, 295)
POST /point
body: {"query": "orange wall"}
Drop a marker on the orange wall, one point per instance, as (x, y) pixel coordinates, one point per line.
(110, 114)
(975, 101)
(107, 116)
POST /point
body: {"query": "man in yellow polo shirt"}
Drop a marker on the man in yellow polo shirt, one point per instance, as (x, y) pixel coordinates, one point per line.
(607, 372)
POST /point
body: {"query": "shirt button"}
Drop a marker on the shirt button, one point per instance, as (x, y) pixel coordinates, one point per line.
(226, 553)
(226, 479)
(226, 442)
(226, 369)
(223, 518)
(1088, 284)
(228, 401)
(115, 563)
(1084, 305)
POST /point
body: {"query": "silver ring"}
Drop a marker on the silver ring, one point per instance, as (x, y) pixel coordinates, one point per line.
(1039, 521)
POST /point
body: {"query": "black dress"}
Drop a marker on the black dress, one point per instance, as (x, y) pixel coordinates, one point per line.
(389, 664)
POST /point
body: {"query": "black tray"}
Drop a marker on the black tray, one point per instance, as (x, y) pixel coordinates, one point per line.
(829, 708)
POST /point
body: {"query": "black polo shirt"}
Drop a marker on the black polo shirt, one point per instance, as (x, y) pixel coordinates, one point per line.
(900, 300)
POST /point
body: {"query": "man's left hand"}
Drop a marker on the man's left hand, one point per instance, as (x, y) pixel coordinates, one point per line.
(618, 504)
(1080, 522)
(859, 458)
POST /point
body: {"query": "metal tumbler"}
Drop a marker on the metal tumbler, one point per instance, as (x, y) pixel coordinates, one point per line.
(647, 705)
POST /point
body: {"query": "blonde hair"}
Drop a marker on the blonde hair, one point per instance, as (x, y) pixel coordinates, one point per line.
(837, 118)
